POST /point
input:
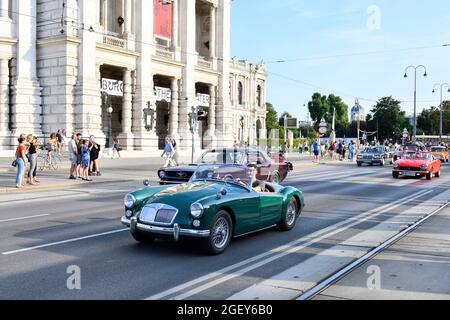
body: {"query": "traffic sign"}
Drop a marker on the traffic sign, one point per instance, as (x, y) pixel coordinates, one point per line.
(323, 130)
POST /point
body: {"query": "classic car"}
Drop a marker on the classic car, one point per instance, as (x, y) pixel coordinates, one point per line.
(440, 153)
(218, 203)
(375, 155)
(417, 164)
(408, 148)
(267, 169)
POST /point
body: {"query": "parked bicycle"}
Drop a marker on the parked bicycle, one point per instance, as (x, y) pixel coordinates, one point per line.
(48, 160)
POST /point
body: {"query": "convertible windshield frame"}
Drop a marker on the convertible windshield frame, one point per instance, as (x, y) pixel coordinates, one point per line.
(246, 173)
(237, 156)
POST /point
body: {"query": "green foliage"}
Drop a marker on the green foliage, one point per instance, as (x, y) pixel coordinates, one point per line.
(388, 118)
(272, 118)
(428, 122)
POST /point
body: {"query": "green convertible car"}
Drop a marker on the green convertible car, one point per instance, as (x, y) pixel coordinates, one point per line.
(218, 203)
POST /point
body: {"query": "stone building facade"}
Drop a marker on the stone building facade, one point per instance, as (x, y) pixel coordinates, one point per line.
(170, 55)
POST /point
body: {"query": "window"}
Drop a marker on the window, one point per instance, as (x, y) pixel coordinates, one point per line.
(114, 10)
(240, 93)
(258, 95)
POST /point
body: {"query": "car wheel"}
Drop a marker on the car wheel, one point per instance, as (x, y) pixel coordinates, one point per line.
(220, 233)
(382, 163)
(430, 175)
(275, 178)
(438, 174)
(142, 238)
(290, 216)
(359, 164)
(395, 175)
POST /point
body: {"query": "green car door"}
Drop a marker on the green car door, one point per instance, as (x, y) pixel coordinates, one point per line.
(247, 213)
(271, 205)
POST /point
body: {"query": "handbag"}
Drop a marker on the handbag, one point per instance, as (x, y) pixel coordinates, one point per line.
(14, 163)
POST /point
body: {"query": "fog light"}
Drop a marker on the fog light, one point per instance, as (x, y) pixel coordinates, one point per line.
(196, 223)
(129, 214)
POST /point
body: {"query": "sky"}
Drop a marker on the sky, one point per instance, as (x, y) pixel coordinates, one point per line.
(351, 48)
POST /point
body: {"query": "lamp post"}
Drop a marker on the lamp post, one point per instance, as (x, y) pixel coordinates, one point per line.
(110, 111)
(415, 94)
(441, 108)
(193, 122)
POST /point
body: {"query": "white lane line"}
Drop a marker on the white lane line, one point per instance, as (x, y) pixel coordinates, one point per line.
(24, 218)
(284, 250)
(63, 242)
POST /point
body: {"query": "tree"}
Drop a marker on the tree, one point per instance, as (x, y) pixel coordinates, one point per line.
(388, 119)
(322, 107)
(428, 122)
(272, 118)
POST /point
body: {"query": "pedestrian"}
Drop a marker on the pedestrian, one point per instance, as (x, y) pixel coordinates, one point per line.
(344, 151)
(65, 141)
(59, 141)
(168, 153)
(79, 169)
(94, 167)
(85, 159)
(52, 146)
(20, 159)
(32, 157)
(331, 150)
(352, 149)
(73, 156)
(339, 151)
(175, 152)
(316, 150)
(116, 147)
(300, 148)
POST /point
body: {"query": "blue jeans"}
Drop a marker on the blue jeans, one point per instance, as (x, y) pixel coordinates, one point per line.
(20, 170)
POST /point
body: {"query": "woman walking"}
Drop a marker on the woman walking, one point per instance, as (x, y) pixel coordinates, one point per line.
(168, 153)
(32, 156)
(20, 163)
(116, 147)
(175, 152)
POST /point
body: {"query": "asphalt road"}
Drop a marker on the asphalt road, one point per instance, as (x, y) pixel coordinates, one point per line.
(348, 211)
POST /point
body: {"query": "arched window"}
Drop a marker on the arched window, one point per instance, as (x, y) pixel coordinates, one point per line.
(240, 93)
(258, 95)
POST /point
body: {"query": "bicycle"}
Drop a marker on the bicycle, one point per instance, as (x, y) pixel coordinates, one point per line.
(44, 161)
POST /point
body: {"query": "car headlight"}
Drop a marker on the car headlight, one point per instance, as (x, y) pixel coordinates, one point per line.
(396, 164)
(196, 210)
(129, 201)
(161, 174)
(360, 156)
(424, 166)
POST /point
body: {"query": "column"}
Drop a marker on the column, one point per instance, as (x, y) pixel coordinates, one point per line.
(128, 18)
(144, 139)
(4, 104)
(4, 7)
(126, 137)
(26, 100)
(175, 25)
(210, 136)
(174, 110)
(212, 32)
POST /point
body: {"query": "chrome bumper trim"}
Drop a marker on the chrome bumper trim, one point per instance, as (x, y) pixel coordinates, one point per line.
(175, 232)
(125, 221)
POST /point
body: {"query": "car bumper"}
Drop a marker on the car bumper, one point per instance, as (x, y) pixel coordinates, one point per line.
(125, 221)
(416, 173)
(369, 161)
(176, 231)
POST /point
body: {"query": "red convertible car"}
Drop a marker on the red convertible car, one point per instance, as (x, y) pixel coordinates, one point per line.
(417, 164)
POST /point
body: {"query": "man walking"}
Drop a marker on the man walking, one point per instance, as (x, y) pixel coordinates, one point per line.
(316, 151)
(73, 156)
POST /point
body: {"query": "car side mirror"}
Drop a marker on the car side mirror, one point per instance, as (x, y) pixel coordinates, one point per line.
(146, 182)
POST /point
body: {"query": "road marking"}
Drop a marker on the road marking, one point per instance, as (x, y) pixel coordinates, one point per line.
(63, 242)
(24, 218)
(225, 275)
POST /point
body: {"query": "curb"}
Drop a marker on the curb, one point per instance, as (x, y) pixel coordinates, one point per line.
(61, 186)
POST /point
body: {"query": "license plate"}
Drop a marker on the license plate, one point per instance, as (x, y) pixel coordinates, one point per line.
(409, 174)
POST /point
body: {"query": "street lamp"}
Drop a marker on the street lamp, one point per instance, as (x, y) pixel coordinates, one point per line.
(193, 122)
(149, 117)
(415, 94)
(441, 108)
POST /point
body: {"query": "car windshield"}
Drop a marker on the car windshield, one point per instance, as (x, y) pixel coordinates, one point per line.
(374, 150)
(240, 175)
(418, 156)
(438, 149)
(222, 157)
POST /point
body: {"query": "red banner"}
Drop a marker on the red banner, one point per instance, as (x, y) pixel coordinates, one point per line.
(162, 19)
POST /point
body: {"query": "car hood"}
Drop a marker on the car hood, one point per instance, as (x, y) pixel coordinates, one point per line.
(182, 196)
(371, 154)
(190, 167)
(411, 163)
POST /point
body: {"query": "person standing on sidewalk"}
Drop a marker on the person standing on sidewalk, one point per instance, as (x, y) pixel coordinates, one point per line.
(95, 152)
(316, 150)
(32, 156)
(73, 156)
(116, 147)
(20, 163)
(85, 159)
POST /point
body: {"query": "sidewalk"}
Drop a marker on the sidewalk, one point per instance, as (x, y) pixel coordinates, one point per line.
(415, 268)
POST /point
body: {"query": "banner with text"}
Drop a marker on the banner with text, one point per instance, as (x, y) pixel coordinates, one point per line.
(112, 87)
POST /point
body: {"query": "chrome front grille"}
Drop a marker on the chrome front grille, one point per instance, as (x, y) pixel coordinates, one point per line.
(158, 214)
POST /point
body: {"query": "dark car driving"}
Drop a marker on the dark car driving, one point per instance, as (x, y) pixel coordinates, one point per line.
(267, 168)
(375, 155)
